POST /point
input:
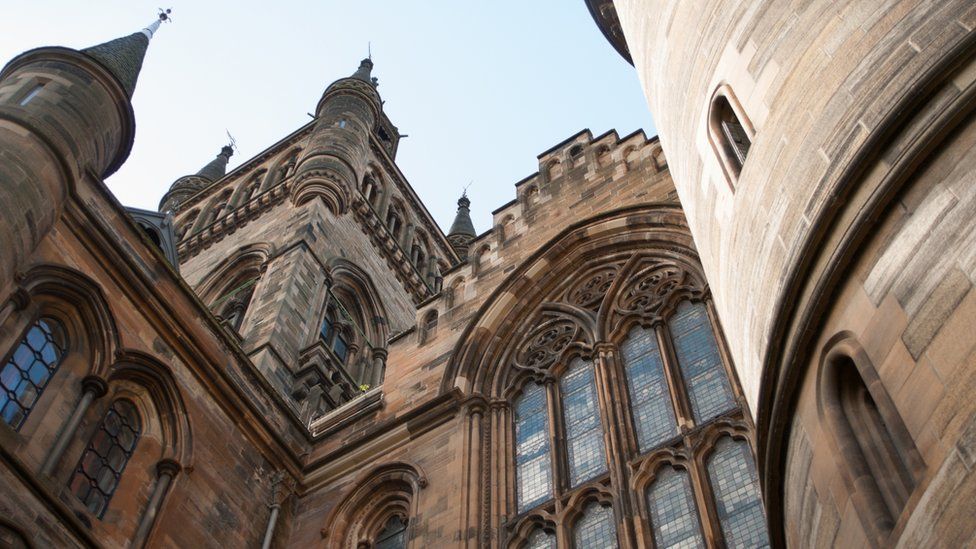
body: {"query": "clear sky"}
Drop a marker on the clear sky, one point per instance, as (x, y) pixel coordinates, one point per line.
(481, 87)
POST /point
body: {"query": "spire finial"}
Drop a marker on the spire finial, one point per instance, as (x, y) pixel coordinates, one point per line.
(163, 17)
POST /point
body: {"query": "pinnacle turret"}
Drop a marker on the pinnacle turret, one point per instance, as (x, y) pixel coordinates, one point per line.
(217, 168)
(462, 230)
(189, 185)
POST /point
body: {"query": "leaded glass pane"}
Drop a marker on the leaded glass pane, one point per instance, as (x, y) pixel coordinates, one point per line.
(97, 475)
(701, 366)
(674, 516)
(533, 461)
(650, 397)
(595, 529)
(736, 487)
(540, 539)
(25, 375)
(584, 434)
(393, 535)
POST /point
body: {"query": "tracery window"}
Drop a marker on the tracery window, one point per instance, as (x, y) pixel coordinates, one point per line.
(97, 475)
(686, 453)
(29, 369)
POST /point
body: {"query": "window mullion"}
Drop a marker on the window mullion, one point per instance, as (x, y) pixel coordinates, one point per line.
(724, 354)
(705, 498)
(557, 442)
(618, 435)
(679, 396)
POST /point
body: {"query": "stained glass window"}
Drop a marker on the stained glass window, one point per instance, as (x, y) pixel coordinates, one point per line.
(540, 539)
(736, 487)
(97, 475)
(27, 372)
(674, 516)
(533, 461)
(650, 397)
(584, 434)
(393, 535)
(595, 529)
(701, 366)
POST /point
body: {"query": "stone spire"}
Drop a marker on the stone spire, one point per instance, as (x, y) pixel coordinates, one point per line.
(189, 185)
(462, 230)
(364, 70)
(123, 56)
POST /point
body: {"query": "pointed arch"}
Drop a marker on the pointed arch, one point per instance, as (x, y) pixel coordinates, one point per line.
(158, 381)
(356, 284)
(80, 305)
(384, 491)
(654, 231)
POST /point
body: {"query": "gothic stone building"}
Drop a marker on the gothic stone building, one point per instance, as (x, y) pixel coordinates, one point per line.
(293, 354)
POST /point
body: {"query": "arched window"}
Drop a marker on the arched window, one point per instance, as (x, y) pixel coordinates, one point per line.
(429, 327)
(673, 513)
(576, 154)
(581, 415)
(701, 366)
(97, 475)
(28, 370)
(603, 158)
(554, 169)
(875, 446)
(332, 336)
(732, 475)
(186, 223)
(393, 535)
(729, 132)
(234, 304)
(533, 462)
(596, 528)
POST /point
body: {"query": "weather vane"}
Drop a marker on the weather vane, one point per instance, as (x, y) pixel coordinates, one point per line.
(164, 15)
(464, 191)
(233, 142)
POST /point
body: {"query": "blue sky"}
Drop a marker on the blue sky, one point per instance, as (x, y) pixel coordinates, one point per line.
(480, 87)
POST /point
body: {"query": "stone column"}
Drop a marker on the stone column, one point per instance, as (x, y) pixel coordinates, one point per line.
(379, 367)
(166, 471)
(18, 301)
(92, 387)
(269, 531)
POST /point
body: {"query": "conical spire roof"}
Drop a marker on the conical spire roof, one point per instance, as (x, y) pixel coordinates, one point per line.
(364, 70)
(217, 167)
(123, 56)
(462, 221)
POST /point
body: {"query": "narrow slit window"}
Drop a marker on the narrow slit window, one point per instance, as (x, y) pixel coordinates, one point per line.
(31, 95)
(729, 133)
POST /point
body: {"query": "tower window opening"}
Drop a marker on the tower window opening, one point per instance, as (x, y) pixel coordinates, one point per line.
(729, 132)
(342, 123)
(31, 95)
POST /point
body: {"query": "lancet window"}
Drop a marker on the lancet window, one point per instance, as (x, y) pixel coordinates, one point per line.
(655, 401)
(97, 475)
(28, 370)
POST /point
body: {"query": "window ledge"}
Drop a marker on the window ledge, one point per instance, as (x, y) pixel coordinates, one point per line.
(348, 413)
